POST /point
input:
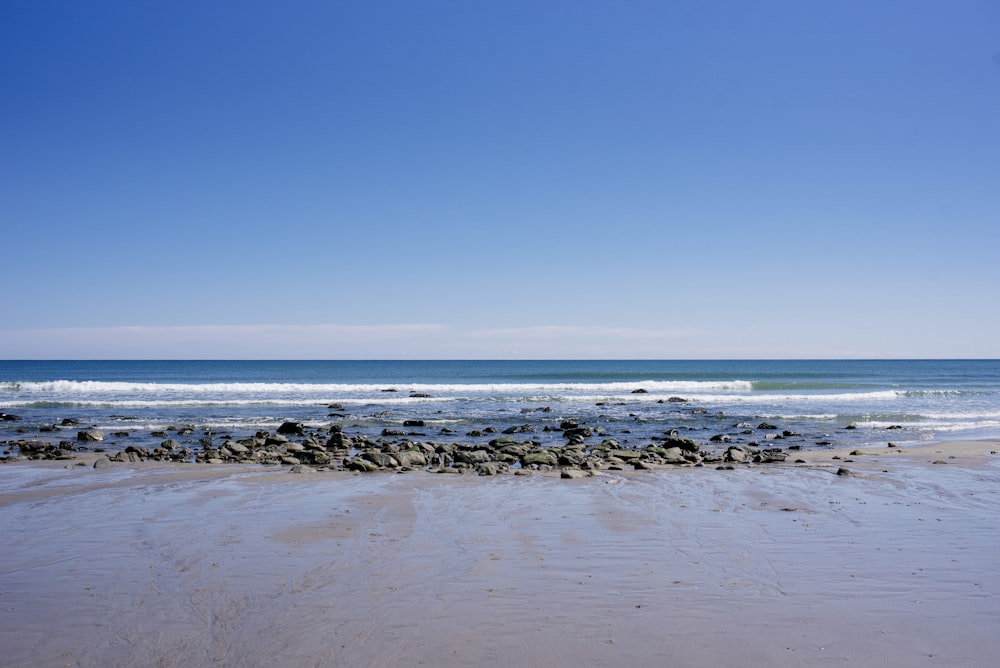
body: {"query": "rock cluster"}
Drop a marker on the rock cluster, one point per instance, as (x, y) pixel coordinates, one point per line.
(586, 450)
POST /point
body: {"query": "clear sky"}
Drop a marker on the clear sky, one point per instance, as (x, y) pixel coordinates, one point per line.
(515, 179)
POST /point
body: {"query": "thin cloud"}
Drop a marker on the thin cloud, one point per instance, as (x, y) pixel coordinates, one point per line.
(583, 332)
(329, 341)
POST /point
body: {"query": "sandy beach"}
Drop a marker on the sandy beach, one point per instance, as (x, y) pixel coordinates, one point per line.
(895, 564)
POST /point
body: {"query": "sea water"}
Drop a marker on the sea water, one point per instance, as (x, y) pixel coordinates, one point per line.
(842, 402)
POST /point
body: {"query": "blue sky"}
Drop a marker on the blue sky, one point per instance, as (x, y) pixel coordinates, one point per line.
(428, 179)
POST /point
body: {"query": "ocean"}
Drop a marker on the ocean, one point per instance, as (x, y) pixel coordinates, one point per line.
(810, 403)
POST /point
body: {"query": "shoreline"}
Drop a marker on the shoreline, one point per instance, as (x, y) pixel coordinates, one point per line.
(762, 565)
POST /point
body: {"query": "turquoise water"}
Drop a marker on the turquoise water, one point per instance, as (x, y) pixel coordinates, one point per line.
(633, 401)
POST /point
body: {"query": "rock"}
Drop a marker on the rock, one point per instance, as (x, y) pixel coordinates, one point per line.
(640, 391)
(766, 425)
(674, 440)
(672, 455)
(572, 474)
(294, 428)
(102, 463)
(520, 429)
(770, 456)
(578, 433)
(844, 472)
(90, 436)
(414, 423)
(300, 468)
(737, 453)
(419, 395)
(488, 468)
(7, 417)
(411, 458)
(381, 459)
(338, 441)
(361, 466)
(539, 458)
(69, 422)
(170, 444)
(471, 456)
(720, 438)
(627, 455)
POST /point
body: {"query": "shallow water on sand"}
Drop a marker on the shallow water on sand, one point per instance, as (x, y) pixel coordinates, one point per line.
(182, 566)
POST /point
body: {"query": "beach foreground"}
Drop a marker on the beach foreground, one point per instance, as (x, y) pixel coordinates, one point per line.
(895, 564)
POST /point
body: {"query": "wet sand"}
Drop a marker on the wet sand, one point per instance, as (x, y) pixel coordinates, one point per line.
(897, 564)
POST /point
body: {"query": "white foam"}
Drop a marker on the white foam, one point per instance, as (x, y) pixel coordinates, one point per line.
(90, 387)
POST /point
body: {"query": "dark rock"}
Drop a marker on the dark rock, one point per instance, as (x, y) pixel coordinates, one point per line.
(736, 454)
(361, 466)
(414, 423)
(90, 436)
(640, 391)
(844, 472)
(675, 440)
(294, 428)
(540, 458)
(393, 432)
(720, 438)
(102, 463)
(69, 422)
(676, 400)
(766, 425)
(488, 468)
(7, 417)
(411, 459)
(471, 456)
(339, 441)
(419, 395)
